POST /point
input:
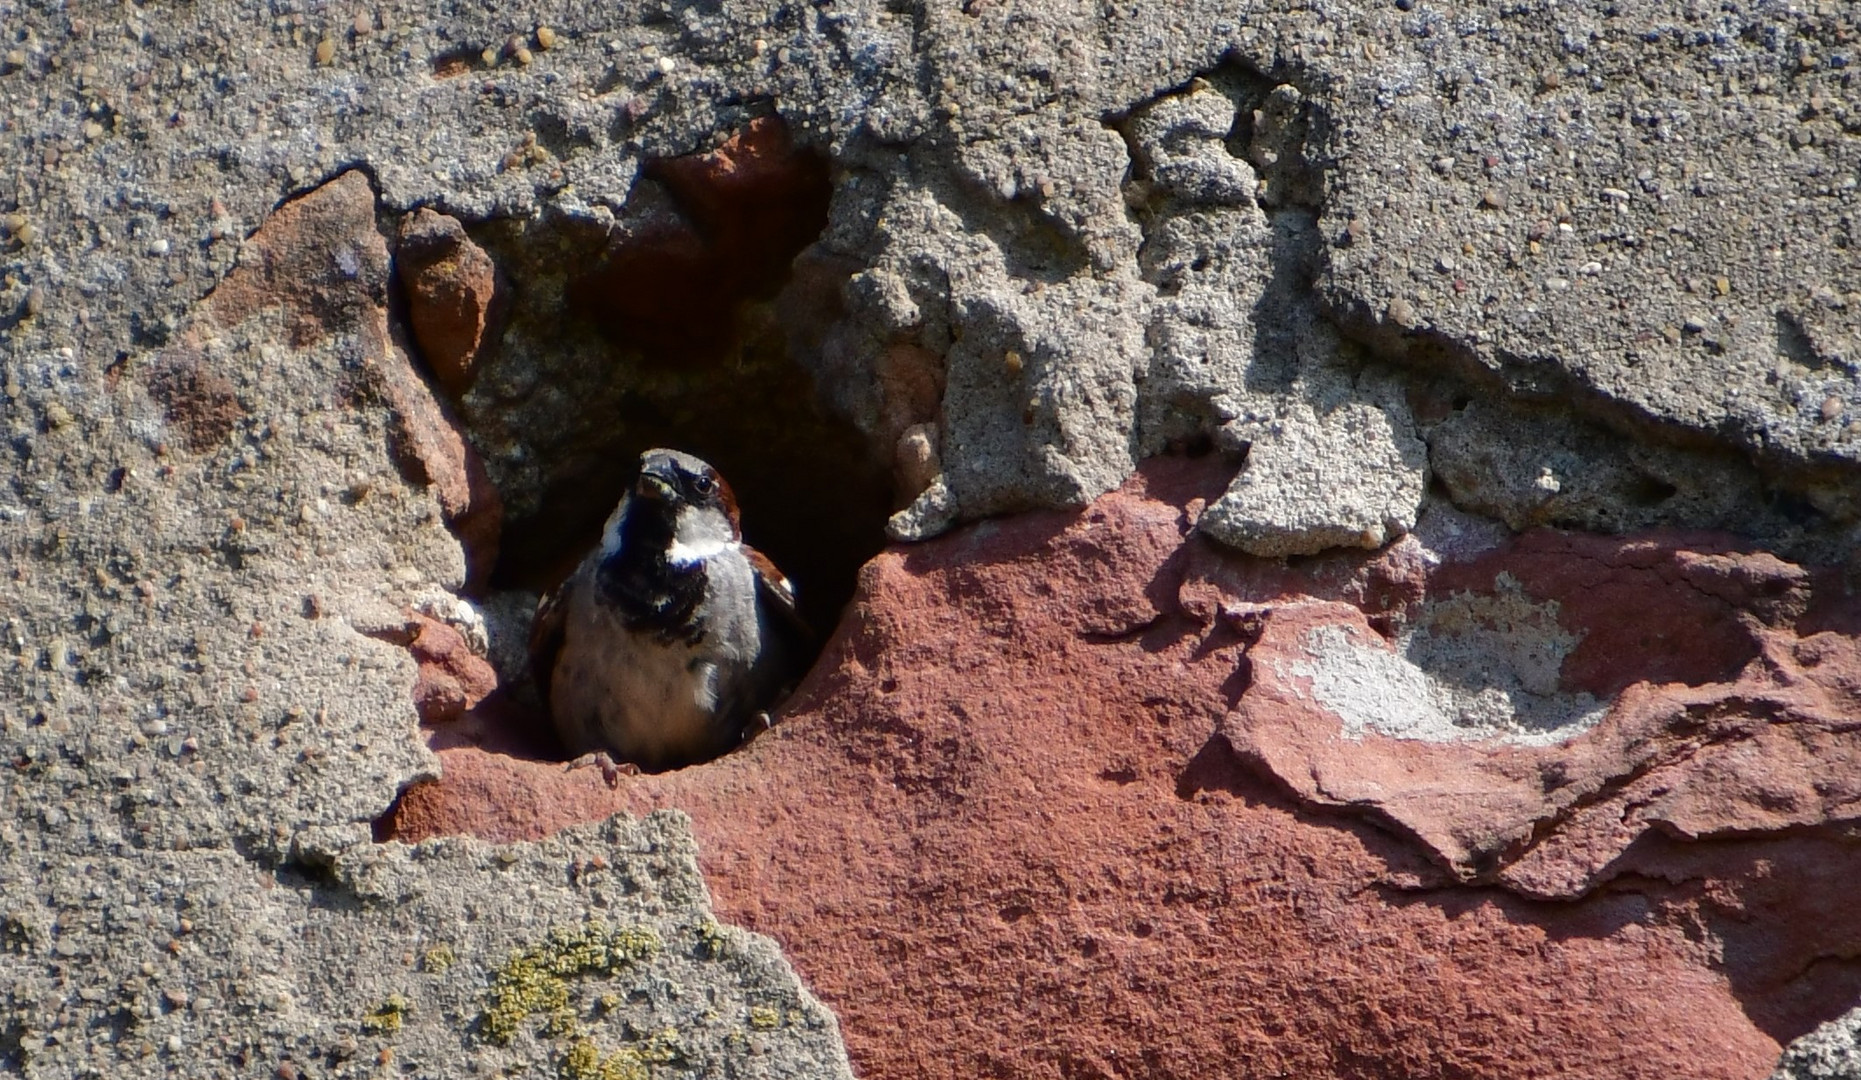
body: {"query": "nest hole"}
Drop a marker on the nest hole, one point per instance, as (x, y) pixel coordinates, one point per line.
(674, 325)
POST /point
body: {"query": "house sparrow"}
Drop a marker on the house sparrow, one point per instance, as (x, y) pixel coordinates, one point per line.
(663, 645)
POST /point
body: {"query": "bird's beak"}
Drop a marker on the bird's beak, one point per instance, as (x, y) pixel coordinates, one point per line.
(653, 485)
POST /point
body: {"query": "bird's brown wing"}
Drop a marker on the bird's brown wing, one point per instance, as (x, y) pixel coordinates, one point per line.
(775, 590)
(790, 644)
(546, 633)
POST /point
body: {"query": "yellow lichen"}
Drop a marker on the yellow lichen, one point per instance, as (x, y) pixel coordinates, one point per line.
(561, 1025)
(583, 1060)
(712, 941)
(763, 1018)
(438, 960)
(662, 1048)
(534, 980)
(387, 1017)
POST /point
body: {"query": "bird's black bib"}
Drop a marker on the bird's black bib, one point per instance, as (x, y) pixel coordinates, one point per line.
(644, 586)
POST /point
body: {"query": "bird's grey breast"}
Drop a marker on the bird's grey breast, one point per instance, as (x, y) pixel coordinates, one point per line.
(654, 697)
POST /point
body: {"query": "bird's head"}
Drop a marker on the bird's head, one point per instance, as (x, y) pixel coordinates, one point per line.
(687, 499)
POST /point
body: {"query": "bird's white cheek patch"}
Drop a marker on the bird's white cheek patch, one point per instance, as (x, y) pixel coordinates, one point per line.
(683, 554)
(610, 532)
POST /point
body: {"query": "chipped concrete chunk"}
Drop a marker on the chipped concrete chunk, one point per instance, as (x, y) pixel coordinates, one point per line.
(1181, 139)
(1348, 478)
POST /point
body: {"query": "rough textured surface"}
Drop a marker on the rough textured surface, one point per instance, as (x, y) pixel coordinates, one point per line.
(1741, 724)
(205, 962)
(452, 295)
(883, 259)
(1347, 478)
(219, 559)
(453, 674)
(1104, 225)
(1831, 1052)
(1054, 801)
(193, 541)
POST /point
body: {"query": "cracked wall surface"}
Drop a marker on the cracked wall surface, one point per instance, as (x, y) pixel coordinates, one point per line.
(1486, 195)
(1095, 756)
(218, 547)
(1583, 268)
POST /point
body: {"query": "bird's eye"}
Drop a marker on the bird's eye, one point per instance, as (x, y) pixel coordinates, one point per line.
(704, 485)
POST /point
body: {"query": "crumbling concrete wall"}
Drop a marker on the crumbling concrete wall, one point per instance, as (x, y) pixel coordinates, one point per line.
(1555, 266)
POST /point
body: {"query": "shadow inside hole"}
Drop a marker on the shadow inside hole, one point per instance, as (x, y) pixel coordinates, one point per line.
(1647, 490)
(687, 300)
(665, 332)
(808, 498)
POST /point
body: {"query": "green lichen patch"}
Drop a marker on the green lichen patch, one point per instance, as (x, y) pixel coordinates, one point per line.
(536, 980)
(561, 1024)
(712, 941)
(387, 1017)
(763, 1018)
(438, 960)
(584, 1060)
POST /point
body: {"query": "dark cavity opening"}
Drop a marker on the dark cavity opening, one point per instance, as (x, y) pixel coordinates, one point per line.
(456, 62)
(1650, 491)
(669, 325)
